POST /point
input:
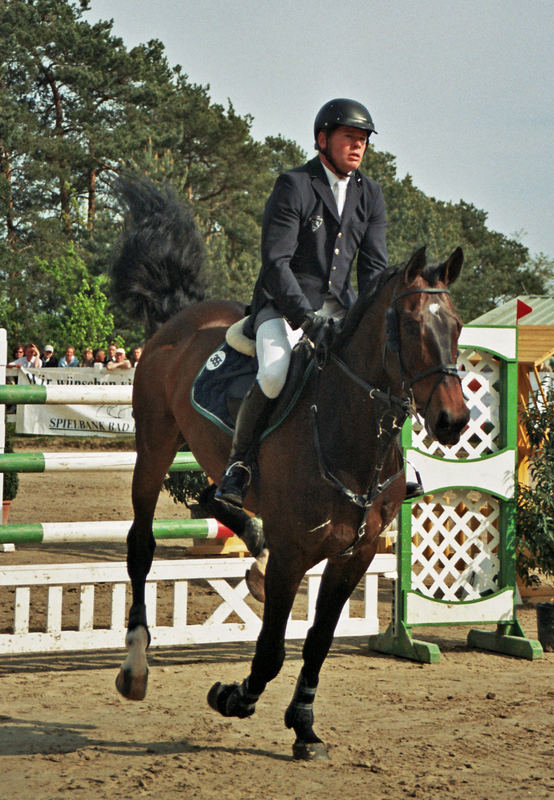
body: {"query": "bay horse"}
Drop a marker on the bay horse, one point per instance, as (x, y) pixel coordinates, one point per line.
(330, 477)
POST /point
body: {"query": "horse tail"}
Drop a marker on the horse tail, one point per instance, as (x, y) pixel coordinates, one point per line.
(158, 269)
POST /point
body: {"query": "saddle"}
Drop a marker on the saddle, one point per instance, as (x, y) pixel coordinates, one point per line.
(228, 373)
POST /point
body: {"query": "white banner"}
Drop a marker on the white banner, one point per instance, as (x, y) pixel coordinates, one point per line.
(104, 419)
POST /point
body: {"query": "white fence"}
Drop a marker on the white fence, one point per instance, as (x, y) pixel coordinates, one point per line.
(95, 626)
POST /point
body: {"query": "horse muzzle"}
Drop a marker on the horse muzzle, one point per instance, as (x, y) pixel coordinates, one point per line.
(447, 427)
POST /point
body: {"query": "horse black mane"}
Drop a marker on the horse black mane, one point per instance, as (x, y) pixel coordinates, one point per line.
(158, 270)
(363, 302)
(365, 299)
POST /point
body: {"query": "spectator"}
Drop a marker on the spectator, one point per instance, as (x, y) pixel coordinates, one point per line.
(136, 353)
(99, 357)
(88, 358)
(31, 359)
(121, 362)
(70, 359)
(48, 357)
(18, 352)
(112, 347)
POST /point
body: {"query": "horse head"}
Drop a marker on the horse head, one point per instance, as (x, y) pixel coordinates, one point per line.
(421, 342)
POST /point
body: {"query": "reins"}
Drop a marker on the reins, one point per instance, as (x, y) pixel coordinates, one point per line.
(398, 417)
(397, 409)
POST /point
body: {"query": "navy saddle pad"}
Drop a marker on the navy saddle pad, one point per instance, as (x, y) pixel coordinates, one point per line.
(226, 377)
(221, 384)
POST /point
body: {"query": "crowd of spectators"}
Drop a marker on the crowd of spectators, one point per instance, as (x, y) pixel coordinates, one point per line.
(114, 357)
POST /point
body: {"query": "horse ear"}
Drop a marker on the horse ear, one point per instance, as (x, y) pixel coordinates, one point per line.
(415, 265)
(450, 270)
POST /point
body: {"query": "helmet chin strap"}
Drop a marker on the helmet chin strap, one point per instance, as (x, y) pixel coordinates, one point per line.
(331, 160)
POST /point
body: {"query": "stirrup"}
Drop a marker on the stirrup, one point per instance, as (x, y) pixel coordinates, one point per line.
(234, 484)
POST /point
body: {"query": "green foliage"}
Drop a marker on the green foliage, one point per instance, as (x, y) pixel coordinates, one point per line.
(535, 503)
(57, 300)
(11, 479)
(87, 322)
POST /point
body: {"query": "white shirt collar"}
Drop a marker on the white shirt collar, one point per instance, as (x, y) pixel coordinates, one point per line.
(338, 187)
(332, 178)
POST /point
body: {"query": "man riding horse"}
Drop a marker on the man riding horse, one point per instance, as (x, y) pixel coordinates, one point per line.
(317, 219)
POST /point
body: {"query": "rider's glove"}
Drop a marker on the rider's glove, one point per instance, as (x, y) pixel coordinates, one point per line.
(316, 327)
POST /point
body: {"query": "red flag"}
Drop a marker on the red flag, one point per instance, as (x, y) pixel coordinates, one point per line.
(522, 310)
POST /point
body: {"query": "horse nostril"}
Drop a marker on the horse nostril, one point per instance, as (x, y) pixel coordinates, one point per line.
(450, 423)
(444, 421)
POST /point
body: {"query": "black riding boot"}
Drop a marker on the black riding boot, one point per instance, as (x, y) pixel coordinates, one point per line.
(414, 488)
(252, 416)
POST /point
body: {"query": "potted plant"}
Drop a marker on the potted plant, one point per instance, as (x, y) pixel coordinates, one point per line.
(11, 479)
(535, 510)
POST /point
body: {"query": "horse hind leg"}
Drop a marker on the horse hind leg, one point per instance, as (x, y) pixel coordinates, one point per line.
(148, 475)
(132, 679)
(247, 528)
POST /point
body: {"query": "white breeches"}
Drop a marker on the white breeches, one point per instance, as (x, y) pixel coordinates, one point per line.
(274, 342)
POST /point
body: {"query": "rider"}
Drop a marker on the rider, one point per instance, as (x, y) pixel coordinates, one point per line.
(318, 217)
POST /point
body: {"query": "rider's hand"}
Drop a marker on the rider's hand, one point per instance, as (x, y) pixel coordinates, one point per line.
(316, 327)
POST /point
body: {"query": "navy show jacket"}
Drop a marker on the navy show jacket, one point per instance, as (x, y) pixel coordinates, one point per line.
(308, 250)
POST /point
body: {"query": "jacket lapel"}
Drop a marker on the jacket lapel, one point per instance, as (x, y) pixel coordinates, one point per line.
(321, 186)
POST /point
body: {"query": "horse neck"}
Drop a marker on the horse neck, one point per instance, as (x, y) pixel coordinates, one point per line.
(353, 421)
(365, 351)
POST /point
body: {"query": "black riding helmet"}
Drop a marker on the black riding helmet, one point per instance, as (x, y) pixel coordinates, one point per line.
(342, 111)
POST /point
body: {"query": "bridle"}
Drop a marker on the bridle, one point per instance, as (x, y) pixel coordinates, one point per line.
(392, 343)
(397, 407)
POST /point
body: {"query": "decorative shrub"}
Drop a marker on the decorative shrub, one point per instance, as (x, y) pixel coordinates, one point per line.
(185, 487)
(535, 503)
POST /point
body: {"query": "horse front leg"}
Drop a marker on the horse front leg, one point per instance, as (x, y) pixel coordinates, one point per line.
(249, 529)
(340, 577)
(239, 699)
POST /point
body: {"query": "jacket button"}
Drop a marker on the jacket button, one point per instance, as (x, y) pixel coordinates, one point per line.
(334, 267)
(339, 234)
(337, 251)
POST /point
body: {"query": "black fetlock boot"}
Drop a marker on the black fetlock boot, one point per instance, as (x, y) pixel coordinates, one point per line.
(253, 414)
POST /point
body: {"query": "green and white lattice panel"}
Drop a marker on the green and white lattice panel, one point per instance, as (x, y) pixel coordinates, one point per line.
(456, 530)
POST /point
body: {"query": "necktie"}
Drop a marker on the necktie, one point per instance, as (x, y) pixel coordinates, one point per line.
(339, 191)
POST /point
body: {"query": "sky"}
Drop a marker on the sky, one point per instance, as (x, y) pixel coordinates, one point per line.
(460, 91)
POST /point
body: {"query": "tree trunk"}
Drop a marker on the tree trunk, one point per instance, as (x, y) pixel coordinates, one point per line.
(91, 199)
(6, 170)
(65, 193)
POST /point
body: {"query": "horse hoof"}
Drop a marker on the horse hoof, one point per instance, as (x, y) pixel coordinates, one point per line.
(131, 687)
(226, 699)
(213, 695)
(255, 581)
(310, 751)
(253, 536)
